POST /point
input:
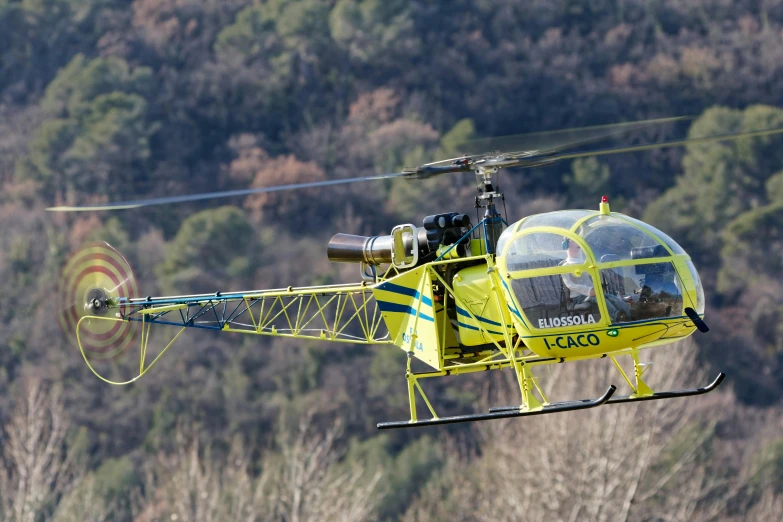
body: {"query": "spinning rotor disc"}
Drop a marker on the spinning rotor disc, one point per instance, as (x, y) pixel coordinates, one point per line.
(96, 282)
(522, 151)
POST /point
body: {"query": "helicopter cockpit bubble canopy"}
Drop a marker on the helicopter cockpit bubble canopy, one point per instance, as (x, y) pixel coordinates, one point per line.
(577, 268)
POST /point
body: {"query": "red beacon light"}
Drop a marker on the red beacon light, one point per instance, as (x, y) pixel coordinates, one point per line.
(604, 206)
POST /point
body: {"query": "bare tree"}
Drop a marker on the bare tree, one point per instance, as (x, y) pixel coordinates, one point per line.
(184, 486)
(631, 462)
(303, 481)
(34, 466)
(768, 509)
(83, 504)
(311, 487)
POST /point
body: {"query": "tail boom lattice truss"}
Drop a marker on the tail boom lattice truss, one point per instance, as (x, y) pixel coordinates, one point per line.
(342, 313)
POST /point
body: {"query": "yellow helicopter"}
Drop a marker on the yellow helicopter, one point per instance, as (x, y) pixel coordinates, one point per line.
(460, 297)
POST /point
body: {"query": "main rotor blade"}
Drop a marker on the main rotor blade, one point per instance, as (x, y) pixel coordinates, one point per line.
(123, 205)
(528, 159)
(553, 141)
(661, 145)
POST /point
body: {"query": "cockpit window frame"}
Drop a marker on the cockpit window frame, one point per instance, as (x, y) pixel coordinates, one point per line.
(593, 267)
(589, 266)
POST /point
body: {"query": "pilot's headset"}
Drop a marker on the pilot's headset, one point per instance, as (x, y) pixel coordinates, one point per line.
(566, 242)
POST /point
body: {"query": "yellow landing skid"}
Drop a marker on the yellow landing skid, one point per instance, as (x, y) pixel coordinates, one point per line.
(672, 394)
(528, 385)
(505, 412)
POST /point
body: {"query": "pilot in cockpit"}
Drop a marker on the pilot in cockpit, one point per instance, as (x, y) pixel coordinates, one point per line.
(581, 288)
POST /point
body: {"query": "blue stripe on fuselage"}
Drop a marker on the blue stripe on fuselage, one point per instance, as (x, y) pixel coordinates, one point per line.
(386, 306)
(464, 313)
(469, 327)
(404, 290)
(513, 308)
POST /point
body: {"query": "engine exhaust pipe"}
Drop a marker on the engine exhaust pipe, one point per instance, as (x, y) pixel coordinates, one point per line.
(374, 250)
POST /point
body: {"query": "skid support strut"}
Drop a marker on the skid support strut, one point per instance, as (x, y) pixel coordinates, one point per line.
(413, 385)
(640, 388)
(527, 383)
(530, 404)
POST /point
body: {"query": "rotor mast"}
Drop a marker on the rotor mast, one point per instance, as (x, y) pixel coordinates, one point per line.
(492, 222)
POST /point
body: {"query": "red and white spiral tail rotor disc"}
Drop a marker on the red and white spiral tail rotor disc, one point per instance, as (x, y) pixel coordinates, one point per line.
(96, 282)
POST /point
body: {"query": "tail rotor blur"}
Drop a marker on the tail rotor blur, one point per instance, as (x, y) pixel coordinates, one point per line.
(96, 282)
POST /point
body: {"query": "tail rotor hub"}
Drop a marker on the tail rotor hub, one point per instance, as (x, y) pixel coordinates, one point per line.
(96, 301)
(96, 282)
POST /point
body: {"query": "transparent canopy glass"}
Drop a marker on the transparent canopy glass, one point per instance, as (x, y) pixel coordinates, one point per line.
(614, 239)
(564, 219)
(565, 285)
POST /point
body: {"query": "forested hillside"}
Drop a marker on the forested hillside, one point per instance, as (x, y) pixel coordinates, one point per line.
(109, 100)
